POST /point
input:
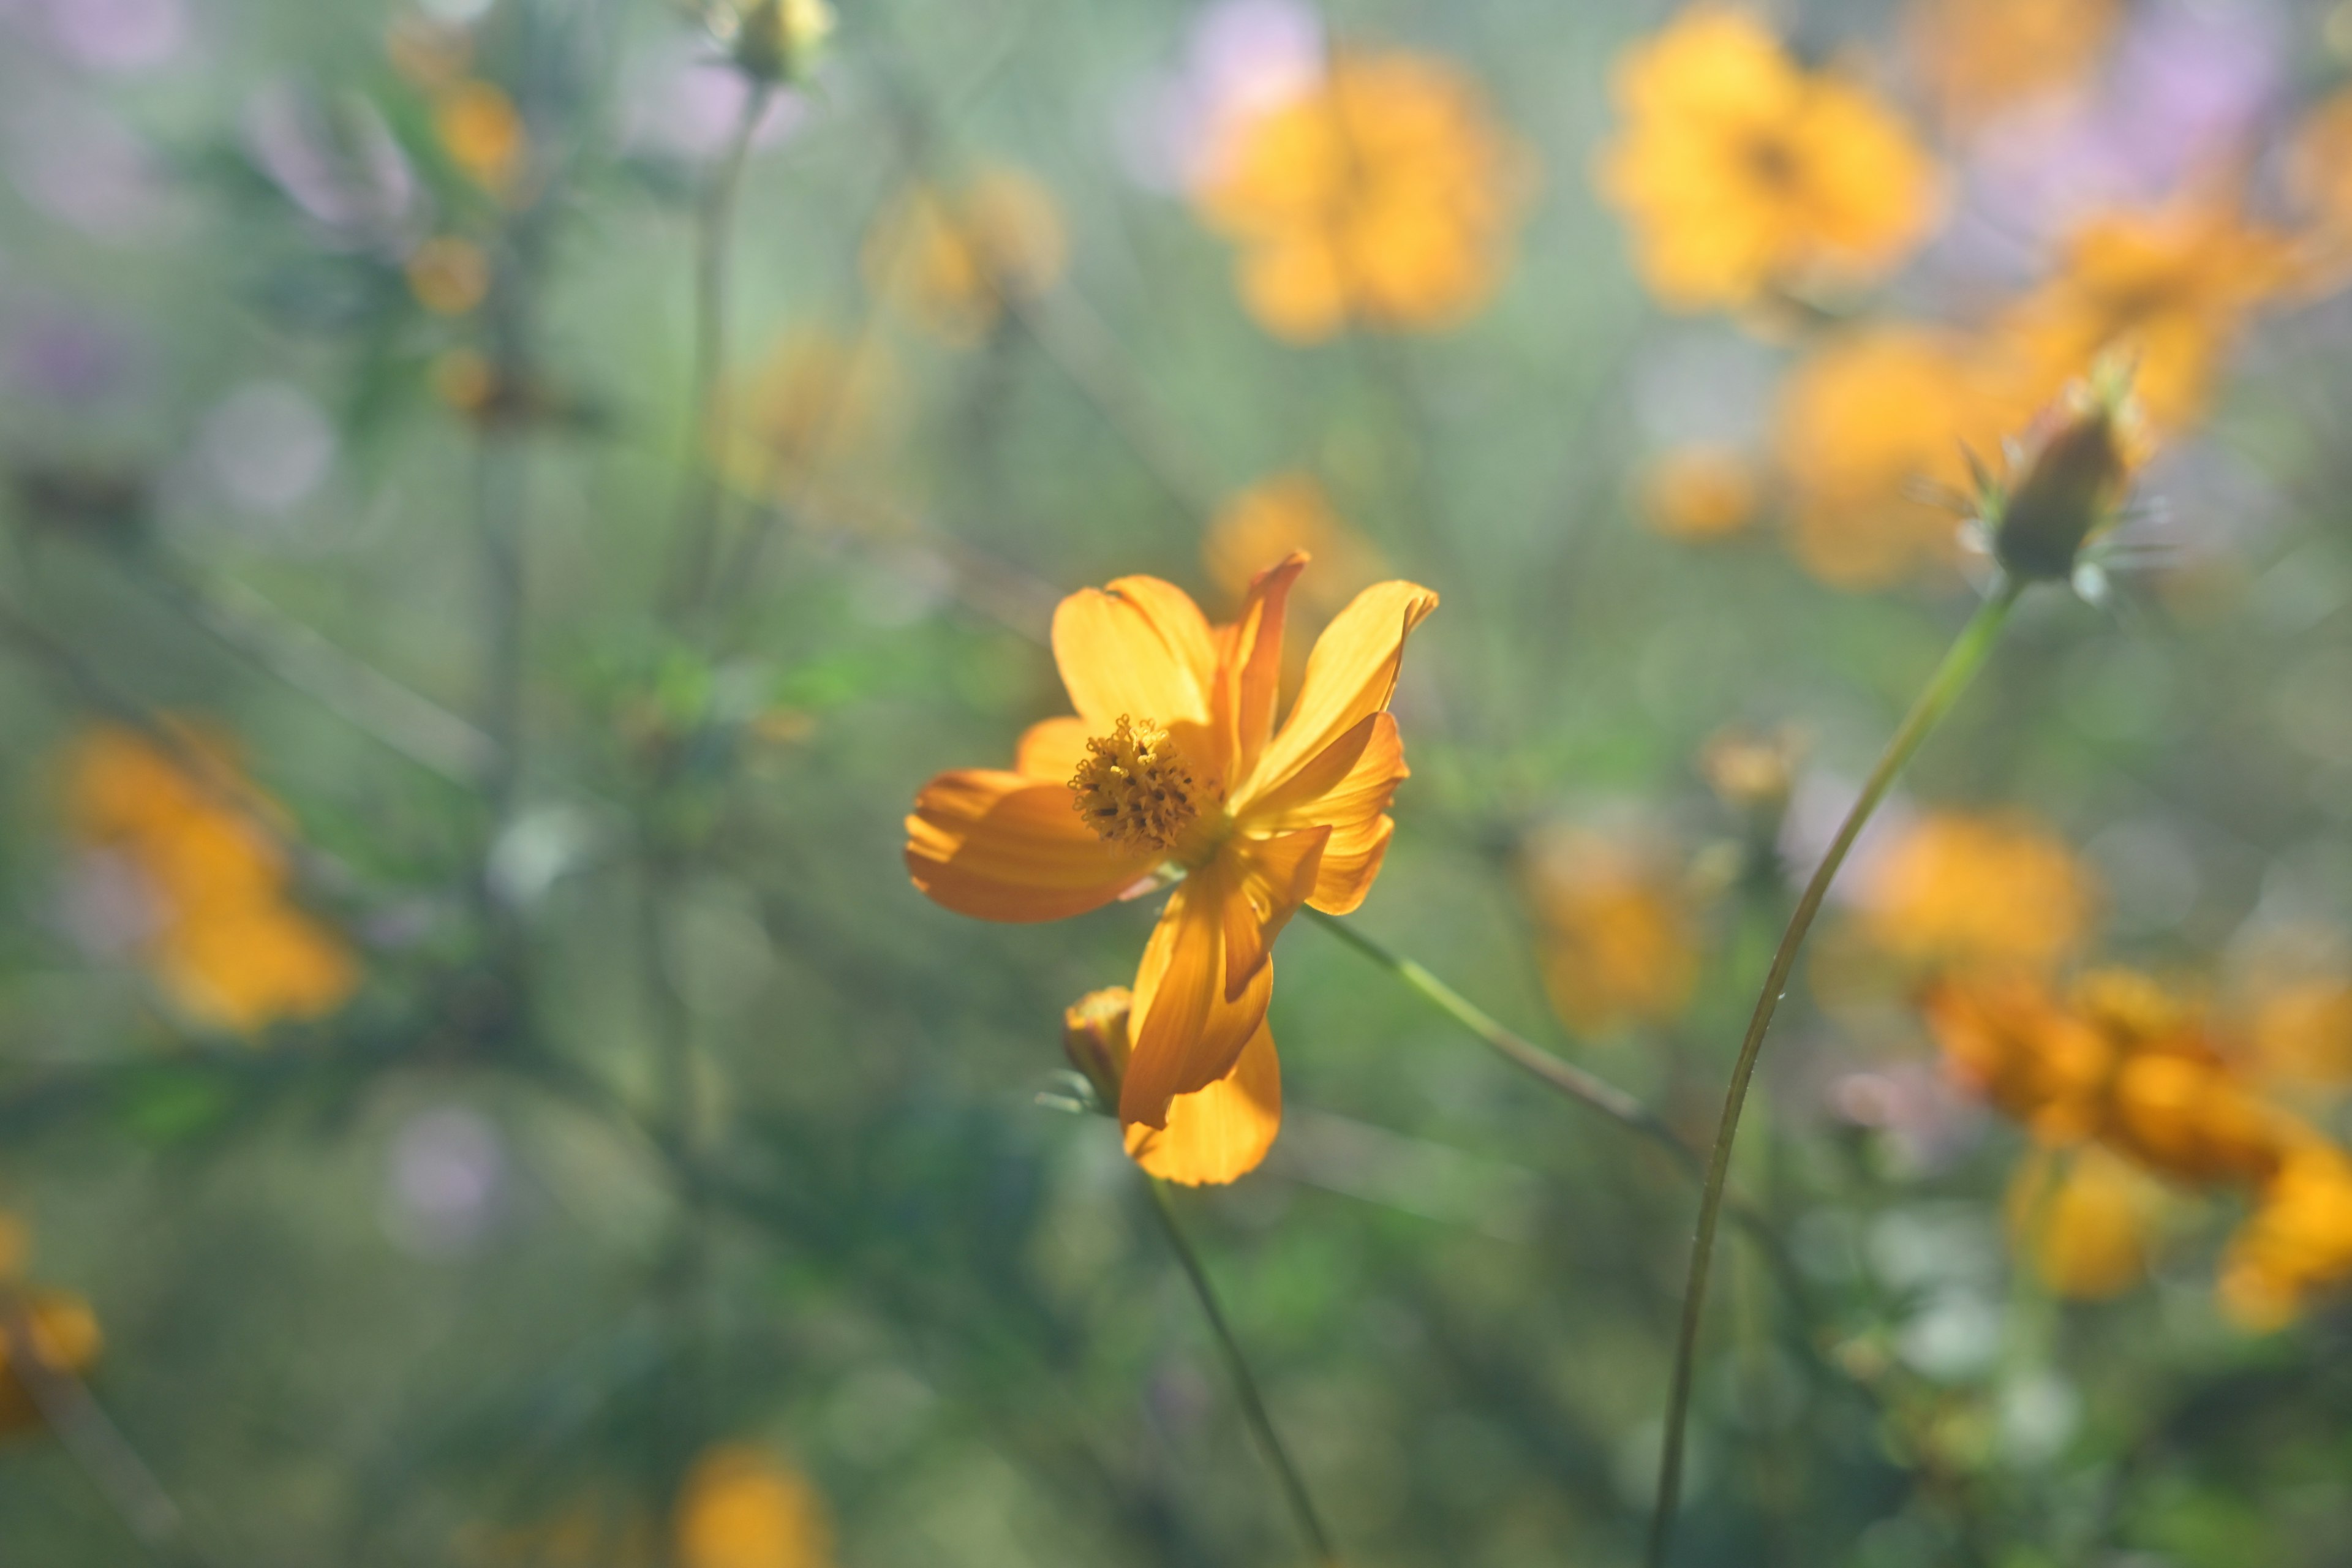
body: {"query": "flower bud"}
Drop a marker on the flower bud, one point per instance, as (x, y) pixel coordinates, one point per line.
(777, 40)
(2073, 484)
(1094, 1033)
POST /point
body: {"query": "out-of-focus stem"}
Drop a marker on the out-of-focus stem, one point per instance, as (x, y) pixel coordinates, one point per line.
(715, 231)
(1960, 666)
(1261, 1424)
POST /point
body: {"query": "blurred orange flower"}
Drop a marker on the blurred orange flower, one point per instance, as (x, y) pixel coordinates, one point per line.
(952, 259)
(65, 1332)
(1172, 768)
(2319, 172)
(2168, 289)
(1956, 889)
(1981, 56)
(1744, 175)
(2006, 1039)
(1868, 422)
(1276, 516)
(1385, 197)
(448, 275)
(2084, 1218)
(2297, 1242)
(1618, 928)
(741, 1506)
(483, 133)
(225, 943)
(1701, 492)
(2301, 1030)
(816, 394)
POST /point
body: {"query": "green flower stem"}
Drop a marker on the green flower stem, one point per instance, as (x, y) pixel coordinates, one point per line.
(1960, 665)
(1293, 1490)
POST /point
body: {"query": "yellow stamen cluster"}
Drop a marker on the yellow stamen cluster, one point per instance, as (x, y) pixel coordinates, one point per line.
(1134, 787)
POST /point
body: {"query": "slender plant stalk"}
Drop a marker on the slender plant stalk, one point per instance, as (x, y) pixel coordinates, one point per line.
(715, 233)
(1960, 665)
(1293, 1490)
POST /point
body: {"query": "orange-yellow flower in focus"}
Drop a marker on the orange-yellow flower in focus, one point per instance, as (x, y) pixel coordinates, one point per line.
(1701, 492)
(1618, 935)
(1744, 175)
(64, 1334)
(1215, 1135)
(1385, 197)
(741, 1506)
(1272, 518)
(1958, 889)
(225, 939)
(2083, 1219)
(952, 258)
(1865, 425)
(483, 133)
(1981, 56)
(2297, 1242)
(2168, 290)
(1173, 767)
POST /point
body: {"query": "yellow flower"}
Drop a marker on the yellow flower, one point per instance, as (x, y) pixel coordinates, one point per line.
(2302, 1031)
(1620, 936)
(2167, 290)
(1744, 175)
(741, 1506)
(2083, 1219)
(1865, 425)
(484, 135)
(2004, 1038)
(65, 1332)
(816, 395)
(449, 275)
(952, 258)
(1272, 518)
(1958, 889)
(1173, 767)
(2297, 1242)
(1213, 1135)
(1981, 56)
(226, 945)
(2319, 172)
(1701, 492)
(1384, 196)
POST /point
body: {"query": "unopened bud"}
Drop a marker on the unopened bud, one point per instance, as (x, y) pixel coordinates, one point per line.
(777, 40)
(2073, 484)
(1094, 1033)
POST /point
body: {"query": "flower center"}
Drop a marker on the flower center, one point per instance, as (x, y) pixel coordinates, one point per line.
(1135, 787)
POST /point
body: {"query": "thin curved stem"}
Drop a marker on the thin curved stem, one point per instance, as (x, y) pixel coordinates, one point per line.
(1960, 664)
(1293, 1490)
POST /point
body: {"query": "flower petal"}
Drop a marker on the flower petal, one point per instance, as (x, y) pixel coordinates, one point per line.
(1222, 1132)
(1140, 647)
(1249, 664)
(1351, 861)
(1352, 674)
(1276, 876)
(1003, 846)
(1348, 781)
(1053, 749)
(1188, 1033)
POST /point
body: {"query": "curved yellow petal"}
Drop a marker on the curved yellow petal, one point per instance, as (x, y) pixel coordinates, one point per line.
(1275, 875)
(1348, 781)
(1004, 846)
(1188, 1033)
(1350, 676)
(1141, 648)
(1222, 1132)
(1351, 859)
(1052, 749)
(1249, 664)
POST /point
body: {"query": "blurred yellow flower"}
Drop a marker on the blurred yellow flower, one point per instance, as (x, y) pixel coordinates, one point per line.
(2319, 173)
(1867, 426)
(1173, 767)
(953, 258)
(483, 133)
(1957, 889)
(2297, 1243)
(1618, 929)
(2083, 1219)
(1383, 197)
(742, 1507)
(64, 1332)
(2300, 1031)
(817, 395)
(448, 275)
(1744, 175)
(1276, 516)
(1750, 770)
(2169, 290)
(1981, 56)
(225, 941)
(1701, 492)
(1213, 1135)
(2006, 1039)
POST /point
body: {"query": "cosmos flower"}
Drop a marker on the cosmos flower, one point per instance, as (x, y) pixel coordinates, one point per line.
(1617, 934)
(1173, 770)
(1956, 889)
(952, 259)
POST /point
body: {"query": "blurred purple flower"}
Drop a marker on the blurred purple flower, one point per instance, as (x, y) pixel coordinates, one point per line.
(119, 35)
(78, 164)
(63, 355)
(684, 102)
(447, 1183)
(342, 167)
(1241, 55)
